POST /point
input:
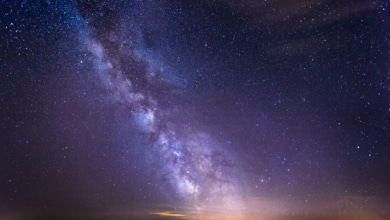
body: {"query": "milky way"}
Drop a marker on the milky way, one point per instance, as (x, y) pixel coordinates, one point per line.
(194, 109)
(193, 164)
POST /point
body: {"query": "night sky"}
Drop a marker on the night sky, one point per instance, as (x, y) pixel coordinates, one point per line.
(194, 108)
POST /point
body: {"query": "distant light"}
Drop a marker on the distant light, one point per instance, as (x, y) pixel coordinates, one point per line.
(169, 214)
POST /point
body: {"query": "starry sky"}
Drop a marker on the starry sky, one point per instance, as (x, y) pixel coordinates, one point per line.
(192, 108)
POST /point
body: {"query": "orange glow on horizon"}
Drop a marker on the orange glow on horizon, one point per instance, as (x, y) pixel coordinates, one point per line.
(170, 214)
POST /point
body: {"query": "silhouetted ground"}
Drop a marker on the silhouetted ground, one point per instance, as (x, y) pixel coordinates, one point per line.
(198, 217)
